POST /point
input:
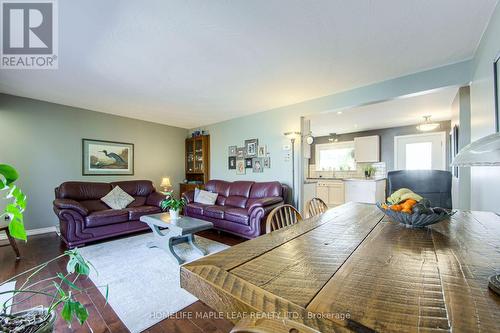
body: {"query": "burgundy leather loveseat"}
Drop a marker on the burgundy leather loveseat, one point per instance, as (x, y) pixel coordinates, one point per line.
(241, 207)
(83, 217)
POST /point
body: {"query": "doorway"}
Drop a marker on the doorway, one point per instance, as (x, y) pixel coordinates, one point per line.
(420, 151)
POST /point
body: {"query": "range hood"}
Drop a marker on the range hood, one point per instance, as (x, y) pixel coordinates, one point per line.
(483, 152)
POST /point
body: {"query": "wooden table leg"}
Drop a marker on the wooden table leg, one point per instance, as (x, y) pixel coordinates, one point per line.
(12, 242)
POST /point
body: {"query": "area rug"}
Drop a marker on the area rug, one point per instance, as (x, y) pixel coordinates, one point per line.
(4, 297)
(144, 285)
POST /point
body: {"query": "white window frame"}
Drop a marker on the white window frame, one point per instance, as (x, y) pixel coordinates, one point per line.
(326, 146)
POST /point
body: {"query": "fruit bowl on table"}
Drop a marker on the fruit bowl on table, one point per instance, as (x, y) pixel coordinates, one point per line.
(415, 219)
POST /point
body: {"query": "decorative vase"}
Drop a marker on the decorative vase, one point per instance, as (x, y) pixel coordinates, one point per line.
(174, 214)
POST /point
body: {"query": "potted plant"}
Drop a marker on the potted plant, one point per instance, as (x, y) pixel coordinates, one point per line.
(14, 209)
(173, 205)
(61, 289)
(369, 171)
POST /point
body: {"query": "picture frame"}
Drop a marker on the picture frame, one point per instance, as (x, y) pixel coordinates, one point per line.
(240, 166)
(248, 163)
(107, 158)
(251, 147)
(231, 151)
(496, 72)
(267, 162)
(231, 163)
(240, 152)
(258, 166)
(262, 151)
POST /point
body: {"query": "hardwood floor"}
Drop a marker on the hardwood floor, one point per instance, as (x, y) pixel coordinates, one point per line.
(195, 318)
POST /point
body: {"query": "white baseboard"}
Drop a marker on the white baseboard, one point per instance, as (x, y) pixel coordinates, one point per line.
(33, 232)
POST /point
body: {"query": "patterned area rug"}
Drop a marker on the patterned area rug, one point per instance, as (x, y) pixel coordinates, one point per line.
(144, 286)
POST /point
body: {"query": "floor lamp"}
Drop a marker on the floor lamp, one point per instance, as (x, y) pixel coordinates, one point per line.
(292, 136)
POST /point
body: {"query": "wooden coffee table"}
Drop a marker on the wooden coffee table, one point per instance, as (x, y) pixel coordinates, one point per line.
(168, 232)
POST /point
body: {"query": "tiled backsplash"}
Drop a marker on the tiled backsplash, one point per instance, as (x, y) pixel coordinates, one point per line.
(380, 171)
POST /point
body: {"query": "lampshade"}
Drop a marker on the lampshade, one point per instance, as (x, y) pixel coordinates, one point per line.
(427, 125)
(165, 182)
(292, 134)
(483, 152)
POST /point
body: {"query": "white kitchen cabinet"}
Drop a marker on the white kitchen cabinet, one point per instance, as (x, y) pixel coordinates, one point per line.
(331, 192)
(367, 149)
(365, 191)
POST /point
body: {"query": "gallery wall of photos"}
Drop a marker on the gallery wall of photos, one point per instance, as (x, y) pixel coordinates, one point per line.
(252, 157)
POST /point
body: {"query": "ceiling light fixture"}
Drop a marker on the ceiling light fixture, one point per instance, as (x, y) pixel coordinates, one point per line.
(339, 112)
(333, 137)
(427, 125)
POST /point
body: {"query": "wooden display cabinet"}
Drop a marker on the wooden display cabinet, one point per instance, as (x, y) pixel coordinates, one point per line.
(197, 162)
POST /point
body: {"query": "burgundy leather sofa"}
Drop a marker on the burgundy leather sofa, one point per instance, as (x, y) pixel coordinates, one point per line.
(241, 207)
(84, 218)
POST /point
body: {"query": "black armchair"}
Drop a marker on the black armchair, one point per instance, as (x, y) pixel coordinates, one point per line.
(434, 185)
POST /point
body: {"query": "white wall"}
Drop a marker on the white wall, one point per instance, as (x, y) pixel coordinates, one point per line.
(43, 141)
(485, 181)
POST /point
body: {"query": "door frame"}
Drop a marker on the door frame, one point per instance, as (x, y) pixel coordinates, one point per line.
(399, 137)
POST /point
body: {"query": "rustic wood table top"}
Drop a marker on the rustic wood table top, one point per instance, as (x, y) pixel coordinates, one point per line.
(352, 269)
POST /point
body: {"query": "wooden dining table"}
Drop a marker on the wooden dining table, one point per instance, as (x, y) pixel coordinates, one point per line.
(353, 269)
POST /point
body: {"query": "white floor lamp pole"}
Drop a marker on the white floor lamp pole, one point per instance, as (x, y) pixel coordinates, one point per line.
(292, 136)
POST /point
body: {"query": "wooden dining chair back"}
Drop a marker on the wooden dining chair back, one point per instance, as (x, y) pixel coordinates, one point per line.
(316, 206)
(282, 216)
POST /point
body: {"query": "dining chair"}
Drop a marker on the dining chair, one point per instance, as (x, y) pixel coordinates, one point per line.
(316, 206)
(434, 185)
(282, 216)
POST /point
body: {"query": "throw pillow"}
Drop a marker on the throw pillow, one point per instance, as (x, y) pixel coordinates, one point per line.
(117, 198)
(205, 197)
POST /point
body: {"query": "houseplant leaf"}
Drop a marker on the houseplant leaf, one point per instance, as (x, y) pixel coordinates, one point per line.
(16, 229)
(9, 173)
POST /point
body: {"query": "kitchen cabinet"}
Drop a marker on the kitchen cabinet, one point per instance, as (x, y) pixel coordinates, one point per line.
(331, 192)
(365, 190)
(367, 149)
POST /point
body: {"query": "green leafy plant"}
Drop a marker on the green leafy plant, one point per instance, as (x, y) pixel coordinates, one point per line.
(60, 288)
(171, 203)
(369, 170)
(16, 201)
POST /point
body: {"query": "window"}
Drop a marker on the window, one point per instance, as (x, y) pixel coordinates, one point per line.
(335, 156)
(419, 156)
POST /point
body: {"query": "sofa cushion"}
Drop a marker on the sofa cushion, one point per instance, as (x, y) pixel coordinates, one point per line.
(265, 190)
(94, 205)
(80, 191)
(238, 215)
(141, 188)
(138, 201)
(240, 188)
(236, 201)
(117, 198)
(217, 212)
(205, 197)
(105, 217)
(220, 187)
(195, 208)
(135, 213)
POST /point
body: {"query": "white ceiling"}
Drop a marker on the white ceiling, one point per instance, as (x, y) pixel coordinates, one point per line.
(197, 62)
(398, 112)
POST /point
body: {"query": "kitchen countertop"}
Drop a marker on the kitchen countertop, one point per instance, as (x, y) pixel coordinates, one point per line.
(311, 180)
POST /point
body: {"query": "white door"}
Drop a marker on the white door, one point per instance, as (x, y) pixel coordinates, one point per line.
(420, 151)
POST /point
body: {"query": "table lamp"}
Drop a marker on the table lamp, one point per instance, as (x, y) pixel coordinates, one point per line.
(165, 184)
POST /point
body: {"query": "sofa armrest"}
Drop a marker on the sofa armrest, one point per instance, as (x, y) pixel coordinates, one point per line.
(71, 204)
(188, 196)
(155, 199)
(264, 202)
